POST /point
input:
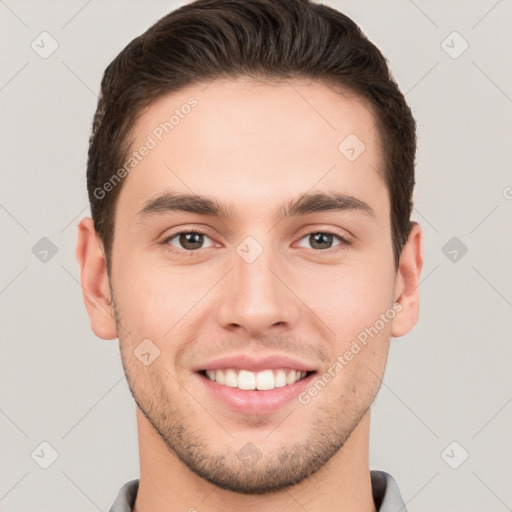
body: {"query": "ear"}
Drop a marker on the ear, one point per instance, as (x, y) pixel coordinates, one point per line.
(407, 283)
(94, 280)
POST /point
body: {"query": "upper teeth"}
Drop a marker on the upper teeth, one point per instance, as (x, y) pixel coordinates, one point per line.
(245, 379)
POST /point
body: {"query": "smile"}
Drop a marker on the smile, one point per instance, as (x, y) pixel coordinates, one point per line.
(248, 380)
(257, 393)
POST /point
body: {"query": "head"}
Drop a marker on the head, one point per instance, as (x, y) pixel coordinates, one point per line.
(265, 131)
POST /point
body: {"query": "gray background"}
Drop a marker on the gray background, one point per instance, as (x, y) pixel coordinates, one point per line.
(449, 380)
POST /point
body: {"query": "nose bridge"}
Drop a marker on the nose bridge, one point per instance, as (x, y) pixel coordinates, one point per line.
(253, 296)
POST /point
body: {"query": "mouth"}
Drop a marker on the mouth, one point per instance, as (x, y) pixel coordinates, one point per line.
(248, 380)
(254, 392)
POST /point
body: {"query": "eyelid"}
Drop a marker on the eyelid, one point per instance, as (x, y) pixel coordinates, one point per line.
(172, 232)
(340, 232)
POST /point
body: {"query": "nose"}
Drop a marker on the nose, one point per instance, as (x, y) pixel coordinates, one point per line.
(258, 296)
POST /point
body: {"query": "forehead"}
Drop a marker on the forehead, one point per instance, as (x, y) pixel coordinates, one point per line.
(255, 142)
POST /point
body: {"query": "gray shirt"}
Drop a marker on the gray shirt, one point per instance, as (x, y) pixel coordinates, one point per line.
(386, 494)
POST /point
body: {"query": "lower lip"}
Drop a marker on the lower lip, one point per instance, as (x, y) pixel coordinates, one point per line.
(256, 401)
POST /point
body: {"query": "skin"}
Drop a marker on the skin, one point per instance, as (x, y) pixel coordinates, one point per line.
(255, 145)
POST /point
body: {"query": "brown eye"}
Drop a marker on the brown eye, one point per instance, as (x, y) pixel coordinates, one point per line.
(322, 240)
(188, 240)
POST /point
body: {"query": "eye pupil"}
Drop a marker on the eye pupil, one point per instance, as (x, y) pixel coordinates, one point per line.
(191, 240)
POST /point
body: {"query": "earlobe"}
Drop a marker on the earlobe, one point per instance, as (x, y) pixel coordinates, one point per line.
(94, 280)
(407, 283)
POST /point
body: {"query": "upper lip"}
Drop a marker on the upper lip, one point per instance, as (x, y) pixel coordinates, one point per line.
(255, 363)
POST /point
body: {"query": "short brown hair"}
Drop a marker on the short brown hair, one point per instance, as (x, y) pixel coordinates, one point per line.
(268, 39)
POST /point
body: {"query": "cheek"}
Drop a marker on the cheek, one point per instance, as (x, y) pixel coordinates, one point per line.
(360, 348)
(148, 298)
(353, 299)
(159, 301)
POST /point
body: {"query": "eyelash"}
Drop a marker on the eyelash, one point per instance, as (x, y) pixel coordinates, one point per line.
(191, 253)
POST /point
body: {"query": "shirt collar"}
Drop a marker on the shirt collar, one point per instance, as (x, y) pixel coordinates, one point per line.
(385, 491)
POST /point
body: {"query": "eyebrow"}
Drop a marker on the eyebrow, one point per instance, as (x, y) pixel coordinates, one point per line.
(302, 205)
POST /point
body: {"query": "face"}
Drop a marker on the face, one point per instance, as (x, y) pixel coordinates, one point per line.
(255, 283)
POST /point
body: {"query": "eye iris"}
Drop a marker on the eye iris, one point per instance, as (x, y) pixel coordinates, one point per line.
(191, 240)
(320, 238)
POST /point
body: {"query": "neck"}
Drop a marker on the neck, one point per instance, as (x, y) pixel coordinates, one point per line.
(166, 484)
